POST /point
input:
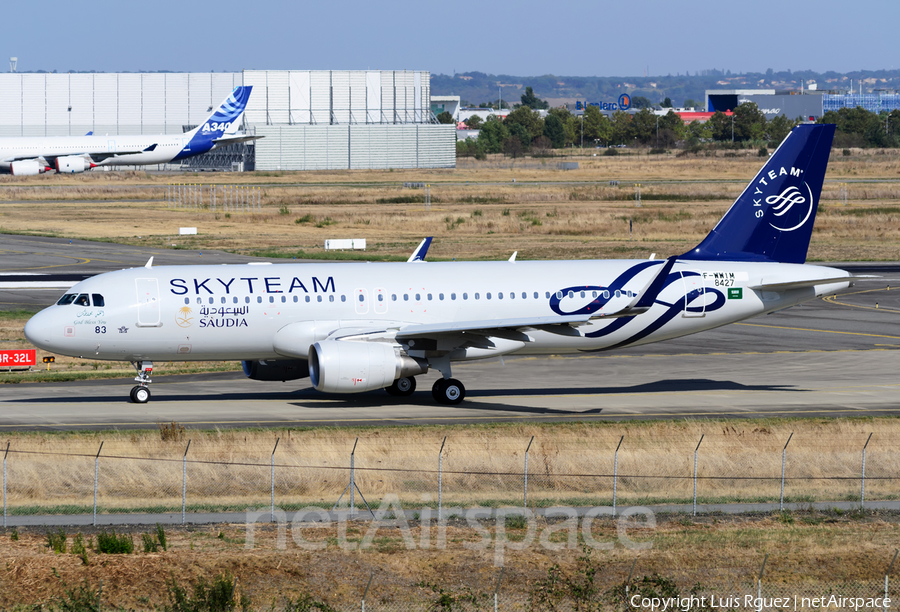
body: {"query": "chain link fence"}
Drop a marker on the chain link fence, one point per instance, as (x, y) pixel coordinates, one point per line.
(127, 476)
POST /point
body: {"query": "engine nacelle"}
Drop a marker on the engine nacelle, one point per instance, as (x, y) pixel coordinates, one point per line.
(274, 370)
(73, 164)
(27, 167)
(337, 366)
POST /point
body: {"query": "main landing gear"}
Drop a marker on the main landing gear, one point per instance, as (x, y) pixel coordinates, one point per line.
(402, 386)
(141, 393)
(444, 391)
(448, 391)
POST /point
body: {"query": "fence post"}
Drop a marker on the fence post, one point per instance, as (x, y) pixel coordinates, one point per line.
(441, 478)
(862, 486)
(353, 477)
(526, 470)
(96, 479)
(783, 456)
(4, 484)
(616, 473)
(184, 482)
(759, 580)
(277, 440)
(628, 580)
(497, 590)
(695, 473)
(888, 573)
(366, 592)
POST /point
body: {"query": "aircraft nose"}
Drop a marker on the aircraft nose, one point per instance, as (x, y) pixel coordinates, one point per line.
(38, 328)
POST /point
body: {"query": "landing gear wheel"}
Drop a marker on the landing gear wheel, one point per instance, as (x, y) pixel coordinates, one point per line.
(140, 395)
(402, 386)
(448, 391)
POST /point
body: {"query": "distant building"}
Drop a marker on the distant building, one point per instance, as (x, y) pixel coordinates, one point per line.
(448, 104)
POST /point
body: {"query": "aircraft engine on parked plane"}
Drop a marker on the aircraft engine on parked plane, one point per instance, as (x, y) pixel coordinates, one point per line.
(27, 167)
(73, 164)
(337, 366)
(274, 370)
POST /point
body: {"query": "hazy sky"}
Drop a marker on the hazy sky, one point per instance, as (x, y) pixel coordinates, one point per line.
(526, 37)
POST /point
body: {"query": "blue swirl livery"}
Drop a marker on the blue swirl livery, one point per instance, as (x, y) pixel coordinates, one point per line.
(215, 130)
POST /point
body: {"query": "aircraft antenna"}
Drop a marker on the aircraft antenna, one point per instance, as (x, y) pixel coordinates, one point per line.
(13, 62)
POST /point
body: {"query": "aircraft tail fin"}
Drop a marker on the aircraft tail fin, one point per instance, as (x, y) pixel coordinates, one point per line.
(224, 120)
(772, 219)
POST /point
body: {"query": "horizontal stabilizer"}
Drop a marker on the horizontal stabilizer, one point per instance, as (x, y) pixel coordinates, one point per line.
(801, 283)
(234, 139)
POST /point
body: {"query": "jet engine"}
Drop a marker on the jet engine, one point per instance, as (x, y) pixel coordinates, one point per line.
(73, 164)
(337, 366)
(272, 370)
(27, 167)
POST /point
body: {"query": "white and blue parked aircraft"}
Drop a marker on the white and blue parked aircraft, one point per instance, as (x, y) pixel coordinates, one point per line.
(360, 327)
(26, 156)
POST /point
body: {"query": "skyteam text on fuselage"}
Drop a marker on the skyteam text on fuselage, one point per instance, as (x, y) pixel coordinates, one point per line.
(360, 327)
(73, 154)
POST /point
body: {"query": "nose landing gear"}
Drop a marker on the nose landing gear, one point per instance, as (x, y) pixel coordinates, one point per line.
(141, 393)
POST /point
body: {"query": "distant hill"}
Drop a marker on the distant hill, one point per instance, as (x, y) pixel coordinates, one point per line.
(477, 87)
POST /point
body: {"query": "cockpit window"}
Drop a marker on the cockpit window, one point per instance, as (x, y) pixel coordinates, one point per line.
(99, 301)
(82, 300)
(67, 299)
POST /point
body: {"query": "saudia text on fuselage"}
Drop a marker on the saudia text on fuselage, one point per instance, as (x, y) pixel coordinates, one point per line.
(250, 285)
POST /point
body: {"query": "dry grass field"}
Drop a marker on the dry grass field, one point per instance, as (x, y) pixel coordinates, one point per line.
(813, 553)
(569, 464)
(481, 210)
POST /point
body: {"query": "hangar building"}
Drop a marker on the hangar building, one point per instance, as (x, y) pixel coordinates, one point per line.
(311, 120)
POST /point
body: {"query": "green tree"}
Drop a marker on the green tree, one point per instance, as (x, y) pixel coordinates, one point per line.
(513, 147)
(555, 131)
(720, 126)
(778, 128)
(640, 102)
(530, 121)
(474, 122)
(667, 103)
(643, 126)
(620, 128)
(531, 101)
(749, 122)
(691, 103)
(493, 134)
(445, 117)
(597, 126)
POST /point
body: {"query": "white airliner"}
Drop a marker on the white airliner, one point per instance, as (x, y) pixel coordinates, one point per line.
(360, 327)
(72, 154)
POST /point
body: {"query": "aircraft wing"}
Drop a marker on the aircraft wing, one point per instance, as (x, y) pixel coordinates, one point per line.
(99, 157)
(228, 139)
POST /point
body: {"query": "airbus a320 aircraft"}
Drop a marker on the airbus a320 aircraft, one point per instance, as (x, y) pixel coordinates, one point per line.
(360, 327)
(72, 154)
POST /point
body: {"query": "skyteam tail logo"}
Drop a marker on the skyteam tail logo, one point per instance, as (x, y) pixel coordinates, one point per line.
(791, 204)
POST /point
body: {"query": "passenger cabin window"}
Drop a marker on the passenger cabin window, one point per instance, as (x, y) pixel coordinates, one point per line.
(271, 299)
(318, 298)
(296, 299)
(344, 298)
(259, 299)
(535, 295)
(98, 300)
(187, 300)
(223, 299)
(452, 296)
(70, 297)
(307, 299)
(393, 297)
(477, 296)
(330, 298)
(488, 295)
(246, 299)
(234, 300)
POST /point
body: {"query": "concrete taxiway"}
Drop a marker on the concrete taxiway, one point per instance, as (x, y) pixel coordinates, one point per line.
(837, 356)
